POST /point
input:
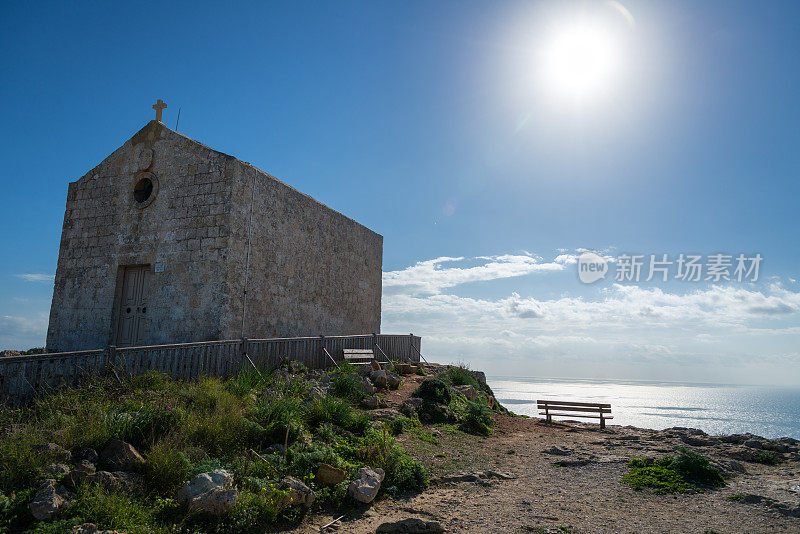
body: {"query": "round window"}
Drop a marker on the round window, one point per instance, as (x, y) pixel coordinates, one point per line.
(142, 190)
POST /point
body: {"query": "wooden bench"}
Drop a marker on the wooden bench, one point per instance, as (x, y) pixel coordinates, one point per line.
(588, 410)
(358, 355)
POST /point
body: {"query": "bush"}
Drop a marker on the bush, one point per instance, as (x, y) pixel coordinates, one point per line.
(349, 386)
(477, 419)
(167, 467)
(685, 473)
(433, 390)
(400, 423)
(459, 376)
(337, 412)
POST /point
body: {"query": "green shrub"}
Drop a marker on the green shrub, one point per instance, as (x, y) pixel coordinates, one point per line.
(689, 471)
(459, 376)
(433, 390)
(477, 419)
(349, 386)
(111, 511)
(167, 467)
(337, 412)
(400, 423)
(768, 458)
(245, 382)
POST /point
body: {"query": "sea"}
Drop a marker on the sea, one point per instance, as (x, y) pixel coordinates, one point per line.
(717, 409)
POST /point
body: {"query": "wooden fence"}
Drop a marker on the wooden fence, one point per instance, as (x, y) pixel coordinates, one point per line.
(23, 377)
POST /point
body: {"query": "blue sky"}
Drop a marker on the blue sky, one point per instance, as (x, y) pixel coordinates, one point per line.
(430, 123)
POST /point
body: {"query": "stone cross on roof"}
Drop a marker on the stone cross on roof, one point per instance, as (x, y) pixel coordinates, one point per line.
(159, 107)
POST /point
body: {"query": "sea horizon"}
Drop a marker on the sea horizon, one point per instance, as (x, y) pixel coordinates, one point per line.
(717, 409)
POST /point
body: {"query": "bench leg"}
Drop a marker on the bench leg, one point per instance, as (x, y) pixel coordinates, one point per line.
(602, 422)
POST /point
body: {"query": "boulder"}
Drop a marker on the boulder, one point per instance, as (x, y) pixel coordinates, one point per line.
(393, 380)
(378, 378)
(91, 528)
(412, 525)
(327, 475)
(49, 500)
(369, 388)
(365, 487)
(299, 493)
(410, 406)
(209, 492)
(375, 365)
(56, 470)
(371, 403)
(116, 481)
(86, 453)
(120, 456)
(436, 413)
(558, 451)
(53, 451)
(468, 391)
(86, 466)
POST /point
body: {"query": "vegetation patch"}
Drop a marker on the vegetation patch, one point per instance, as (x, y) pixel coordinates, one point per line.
(687, 472)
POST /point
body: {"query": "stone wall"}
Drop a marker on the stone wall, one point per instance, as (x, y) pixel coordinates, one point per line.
(185, 227)
(313, 271)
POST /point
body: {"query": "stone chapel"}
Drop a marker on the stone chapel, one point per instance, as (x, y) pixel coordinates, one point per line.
(163, 237)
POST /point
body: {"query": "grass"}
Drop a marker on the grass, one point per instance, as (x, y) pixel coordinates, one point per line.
(477, 419)
(459, 375)
(687, 472)
(182, 429)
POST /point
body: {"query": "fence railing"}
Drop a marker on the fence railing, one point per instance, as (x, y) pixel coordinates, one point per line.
(24, 377)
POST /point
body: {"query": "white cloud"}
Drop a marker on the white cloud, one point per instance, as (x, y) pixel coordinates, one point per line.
(702, 334)
(37, 277)
(432, 276)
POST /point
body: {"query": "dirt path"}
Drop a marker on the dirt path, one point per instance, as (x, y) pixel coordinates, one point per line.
(584, 497)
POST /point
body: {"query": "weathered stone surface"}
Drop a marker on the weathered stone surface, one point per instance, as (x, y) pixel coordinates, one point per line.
(365, 487)
(369, 388)
(558, 451)
(53, 451)
(312, 270)
(410, 406)
(299, 493)
(371, 403)
(56, 470)
(86, 453)
(468, 391)
(120, 456)
(411, 525)
(375, 365)
(91, 528)
(116, 481)
(86, 466)
(49, 500)
(378, 378)
(327, 475)
(209, 493)
(393, 380)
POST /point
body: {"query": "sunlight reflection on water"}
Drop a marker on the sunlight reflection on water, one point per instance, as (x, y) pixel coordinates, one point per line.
(716, 409)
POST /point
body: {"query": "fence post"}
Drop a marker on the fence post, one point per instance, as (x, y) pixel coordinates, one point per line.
(242, 352)
(410, 346)
(374, 345)
(322, 348)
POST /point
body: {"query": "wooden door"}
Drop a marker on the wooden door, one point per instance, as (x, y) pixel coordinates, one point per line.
(133, 323)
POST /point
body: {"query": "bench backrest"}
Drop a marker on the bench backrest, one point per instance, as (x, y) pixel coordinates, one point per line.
(570, 406)
(358, 354)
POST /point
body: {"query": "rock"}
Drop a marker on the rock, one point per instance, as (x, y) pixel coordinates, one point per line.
(698, 441)
(753, 443)
(56, 470)
(49, 500)
(410, 406)
(468, 391)
(327, 475)
(116, 481)
(558, 451)
(746, 454)
(86, 453)
(299, 493)
(480, 376)
(53, 451)
(437, 413)
(366, 485)
(120, 456)
(378, 378)
(91, 528)
(411, 525)
(209, 492)
(369, 388)
(371, 403)
(85, 466)
(393, 380)
(375, 365)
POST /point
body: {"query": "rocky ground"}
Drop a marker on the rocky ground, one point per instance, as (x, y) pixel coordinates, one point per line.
(530, 476)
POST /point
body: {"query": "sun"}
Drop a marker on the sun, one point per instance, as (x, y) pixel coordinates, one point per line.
(580, 60)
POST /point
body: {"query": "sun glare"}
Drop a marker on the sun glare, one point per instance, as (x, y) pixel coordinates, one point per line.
(580, 61)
